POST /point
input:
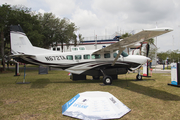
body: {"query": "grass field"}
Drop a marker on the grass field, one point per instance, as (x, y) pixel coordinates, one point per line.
(150, 98)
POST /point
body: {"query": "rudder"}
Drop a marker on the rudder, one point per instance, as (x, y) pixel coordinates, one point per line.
(20, 43)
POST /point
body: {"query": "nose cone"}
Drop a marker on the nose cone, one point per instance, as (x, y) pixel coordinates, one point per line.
(148, 59)
(144, 59)
(137, 59)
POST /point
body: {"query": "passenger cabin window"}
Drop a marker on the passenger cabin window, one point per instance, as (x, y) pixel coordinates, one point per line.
(81, 48)
(96, 56)
(86, 56)
(77, 57)
(107, 55)
(69, 57)
(124, 54)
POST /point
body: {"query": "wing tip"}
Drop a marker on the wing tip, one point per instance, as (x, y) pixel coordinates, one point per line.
(168, 29)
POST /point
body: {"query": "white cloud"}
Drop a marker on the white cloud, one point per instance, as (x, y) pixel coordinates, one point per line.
(62, 8)
(86, 19)
(14, 2)
(41, 11)
(108, 16)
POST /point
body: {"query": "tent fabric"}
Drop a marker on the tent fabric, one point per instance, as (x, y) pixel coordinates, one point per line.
(94, 105)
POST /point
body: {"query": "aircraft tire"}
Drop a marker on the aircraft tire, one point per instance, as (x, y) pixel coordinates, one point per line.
(139, 77)
(107, 80)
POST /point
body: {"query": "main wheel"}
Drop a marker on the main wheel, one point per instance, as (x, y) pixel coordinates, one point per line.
(107, 80)
(139, 77)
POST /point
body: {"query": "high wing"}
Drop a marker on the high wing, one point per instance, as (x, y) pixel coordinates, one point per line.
(129, 41)
(139, 37)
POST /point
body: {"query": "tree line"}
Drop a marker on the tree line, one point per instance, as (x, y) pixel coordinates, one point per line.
(171, 55)
(41, 29)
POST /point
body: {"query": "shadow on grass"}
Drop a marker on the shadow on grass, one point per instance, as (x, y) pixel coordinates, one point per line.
(40, 83)
(147, 90)
(79, 81)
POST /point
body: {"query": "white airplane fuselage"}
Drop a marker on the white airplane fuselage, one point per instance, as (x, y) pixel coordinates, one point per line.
(82, 64)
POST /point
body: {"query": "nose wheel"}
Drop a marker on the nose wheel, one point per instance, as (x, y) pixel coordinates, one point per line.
(138, 76)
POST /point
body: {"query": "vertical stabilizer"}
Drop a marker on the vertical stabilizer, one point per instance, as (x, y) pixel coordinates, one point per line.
(20, 43)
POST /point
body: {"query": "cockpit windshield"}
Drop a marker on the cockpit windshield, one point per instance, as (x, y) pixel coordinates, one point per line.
(124, 54)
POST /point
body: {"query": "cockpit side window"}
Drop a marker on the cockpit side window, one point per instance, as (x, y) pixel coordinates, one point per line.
(124, 54)
(114, 55)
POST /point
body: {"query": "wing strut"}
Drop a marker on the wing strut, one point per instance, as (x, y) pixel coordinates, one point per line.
(120, 51)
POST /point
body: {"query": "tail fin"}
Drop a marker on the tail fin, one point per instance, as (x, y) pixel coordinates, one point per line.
(20, 43)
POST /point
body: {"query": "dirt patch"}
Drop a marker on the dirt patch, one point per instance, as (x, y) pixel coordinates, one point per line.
(29, 117)
(43, 108)
(10, 101)
(6, 71)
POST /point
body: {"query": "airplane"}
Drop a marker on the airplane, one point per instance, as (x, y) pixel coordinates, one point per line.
(108, 62)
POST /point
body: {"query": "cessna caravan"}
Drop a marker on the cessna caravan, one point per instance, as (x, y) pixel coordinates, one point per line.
(107, 62)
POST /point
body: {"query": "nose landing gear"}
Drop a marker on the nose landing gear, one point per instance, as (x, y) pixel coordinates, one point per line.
(139, 76)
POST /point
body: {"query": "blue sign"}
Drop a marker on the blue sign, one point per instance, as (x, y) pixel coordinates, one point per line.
(69, 103)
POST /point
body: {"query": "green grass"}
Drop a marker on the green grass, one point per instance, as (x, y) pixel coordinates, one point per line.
(148, 99)
(168, 67)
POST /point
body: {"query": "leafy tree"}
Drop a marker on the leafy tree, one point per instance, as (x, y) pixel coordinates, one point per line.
(148, 50)
(77, 36)
(4, 14)
(29, 22)
(162, 56)
(49, 25)
(125, 35)
(56, 30)
(41, 29)
(152, 52)
(13, 16)
(65, 32)
(173, 56)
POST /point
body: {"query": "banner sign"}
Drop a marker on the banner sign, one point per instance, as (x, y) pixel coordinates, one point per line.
(174, 74)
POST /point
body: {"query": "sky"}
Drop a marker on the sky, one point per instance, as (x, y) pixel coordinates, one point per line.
(105, 17)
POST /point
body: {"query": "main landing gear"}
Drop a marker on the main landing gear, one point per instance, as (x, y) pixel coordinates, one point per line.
(107, 80)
